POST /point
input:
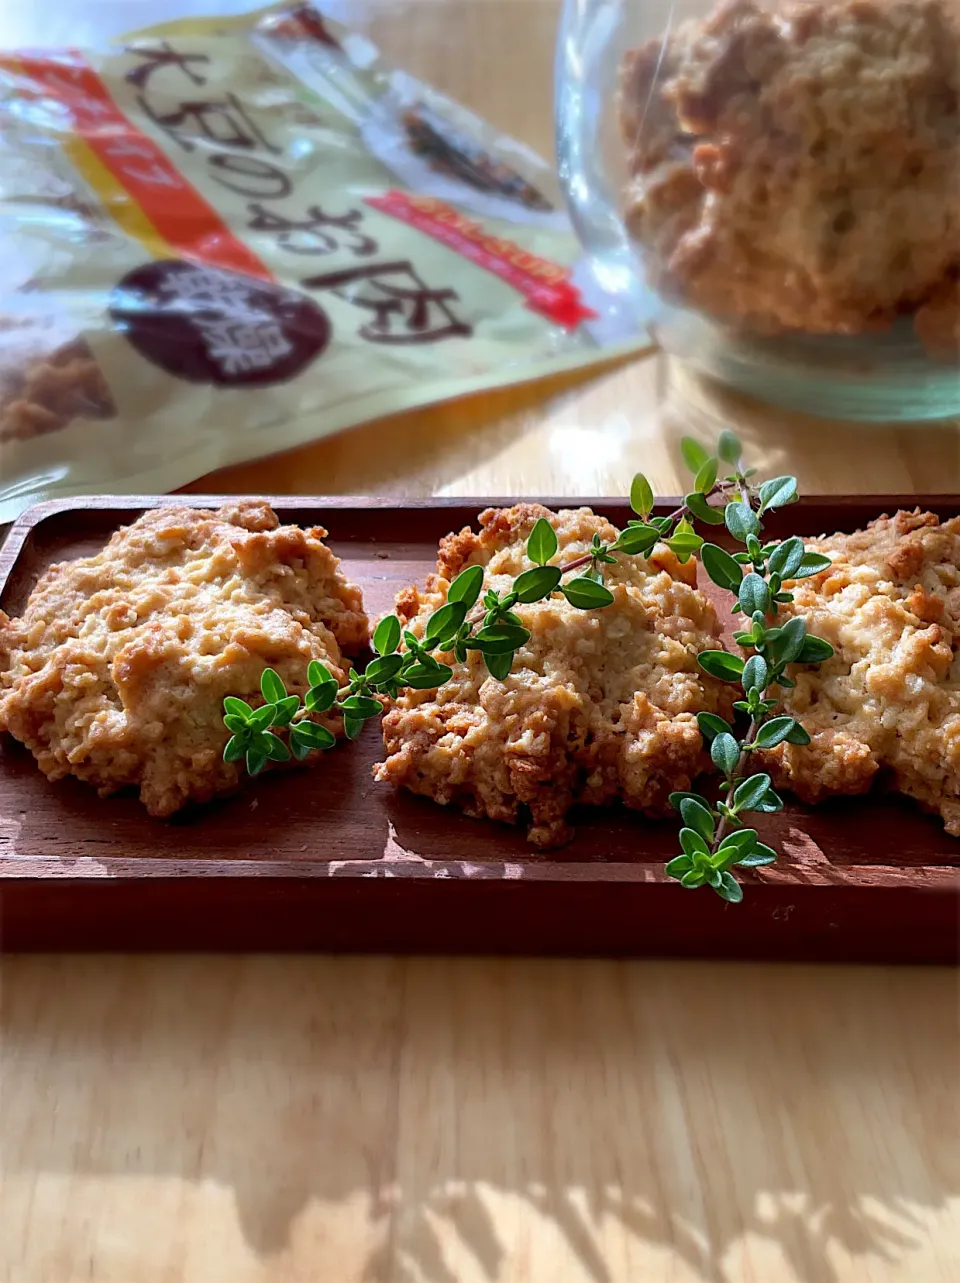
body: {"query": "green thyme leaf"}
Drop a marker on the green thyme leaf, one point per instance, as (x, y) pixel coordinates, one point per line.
(261, 719)
(692, 842)
(786, 559)
(386, 636)
(755, 674)
(702, 509)
(729, 889)
(384, 670)
(694, 455)
(542, 544)
(425, 677)
(256, 761)
(728, 447)
(799, 735)
(676, 799)
(499, 639)
(423, 658)
(534, 585)
(352, 726)
(814, 651)
(235, 749)
(678, 866)
(237, 708)
(310, 735)
(300, 751)
(813, 563)
(636, 540)
(725, 753)
(499, 666)
(721, 567)
(741, 520)
(695, 878)
(235, 724)
(318, 674)
(365, 707)
(776, 731)
(711, 726)
(750, 792)
(758, 857)
(720, 663)
(272, 687)
(789, 641)
(444, 623)
(736, 845)
(466, 587)
(319, 698)
(777, 493)
(275, 748)
(586, 594)
(754, 594)
(285, 710)
(684, 541)
(641, 496)
(663, 524)
(697, 816)
(706, 477)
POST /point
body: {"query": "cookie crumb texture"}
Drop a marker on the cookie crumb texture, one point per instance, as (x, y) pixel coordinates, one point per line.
(600, 706)
(887, 705)
(43, 394)
(797, 168)
(117, 670)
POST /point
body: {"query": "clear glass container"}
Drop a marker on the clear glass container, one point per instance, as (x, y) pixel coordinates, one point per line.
(774, 190)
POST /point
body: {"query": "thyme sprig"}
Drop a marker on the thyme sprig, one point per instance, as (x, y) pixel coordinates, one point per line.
(714, 838)
(462, 624)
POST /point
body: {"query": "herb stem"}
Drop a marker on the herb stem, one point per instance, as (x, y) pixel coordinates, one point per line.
(738, 770)
(682, 511)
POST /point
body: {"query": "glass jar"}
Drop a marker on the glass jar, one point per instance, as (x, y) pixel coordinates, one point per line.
(774, 189)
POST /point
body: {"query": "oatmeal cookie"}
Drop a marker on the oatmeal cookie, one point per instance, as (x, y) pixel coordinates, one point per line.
(600, 705)
(117, 670)
(797, 168)
(888, 702)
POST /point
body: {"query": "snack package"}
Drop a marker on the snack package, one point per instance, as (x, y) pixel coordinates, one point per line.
(229, 236)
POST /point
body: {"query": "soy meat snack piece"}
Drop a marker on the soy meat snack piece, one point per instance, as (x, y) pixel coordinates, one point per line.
(795, 167)
(600, 705)
(117, 670)
(887, 705)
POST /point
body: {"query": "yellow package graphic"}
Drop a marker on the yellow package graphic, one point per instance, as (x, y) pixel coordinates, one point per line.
(227, 237)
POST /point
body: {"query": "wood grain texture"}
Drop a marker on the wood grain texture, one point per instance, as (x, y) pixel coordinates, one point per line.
(258, 1120)
(328, 860)
(373, 1121)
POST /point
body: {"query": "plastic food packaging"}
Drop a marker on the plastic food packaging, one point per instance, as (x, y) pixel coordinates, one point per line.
(225, 237)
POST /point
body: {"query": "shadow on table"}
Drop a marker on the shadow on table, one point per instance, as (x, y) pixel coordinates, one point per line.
(462, 1102)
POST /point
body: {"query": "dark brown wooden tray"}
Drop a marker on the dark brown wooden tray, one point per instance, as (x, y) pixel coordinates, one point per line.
(326, 859)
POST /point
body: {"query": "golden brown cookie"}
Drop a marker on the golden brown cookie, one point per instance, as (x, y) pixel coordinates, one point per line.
(117, 670)
(600, 705)
(888, 702)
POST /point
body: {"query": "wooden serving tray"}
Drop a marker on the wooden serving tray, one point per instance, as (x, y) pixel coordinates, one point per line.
(326, 859)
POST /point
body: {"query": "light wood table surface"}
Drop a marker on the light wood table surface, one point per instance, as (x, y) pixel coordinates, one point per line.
(267, 1120)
